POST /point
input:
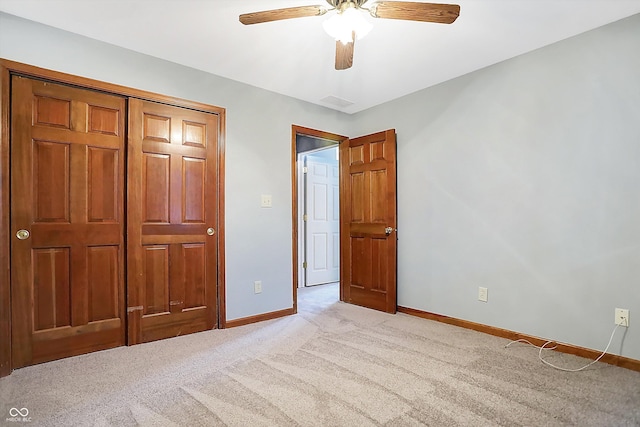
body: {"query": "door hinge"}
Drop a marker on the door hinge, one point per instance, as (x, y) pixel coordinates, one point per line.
(304, 217)
(304, 264)
(305, 169)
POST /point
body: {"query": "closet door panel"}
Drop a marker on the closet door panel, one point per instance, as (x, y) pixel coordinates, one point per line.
(67, 245)
(172, 218)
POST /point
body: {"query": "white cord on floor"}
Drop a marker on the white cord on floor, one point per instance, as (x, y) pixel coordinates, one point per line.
(544, 347)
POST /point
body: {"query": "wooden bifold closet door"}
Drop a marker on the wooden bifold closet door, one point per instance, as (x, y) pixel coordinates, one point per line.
(67, 247)
(74, 167)
(172, 219)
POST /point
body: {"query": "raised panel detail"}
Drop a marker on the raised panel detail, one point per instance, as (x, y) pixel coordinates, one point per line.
(51, 288)
(320, 251)
(103, 120)
(357, 197)
(320, 202)
(356, 155)
(102, 185)
(156, 128)
(378, 196)
(378, 265)
(102, 277)
(52, 112)
(194, 134)
(377, 150)
(156, 279)
(193, 190)
(155, 187)
(320, 169)
(359, 263)
(51, 162)
(194, 275)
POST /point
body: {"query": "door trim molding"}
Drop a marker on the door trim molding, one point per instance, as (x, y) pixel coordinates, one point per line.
(295, 131)
(5, 209)
(8, 68)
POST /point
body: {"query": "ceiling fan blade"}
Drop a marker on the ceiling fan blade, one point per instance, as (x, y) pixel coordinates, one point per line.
(344, 54)
(413, 11)
(278, 14)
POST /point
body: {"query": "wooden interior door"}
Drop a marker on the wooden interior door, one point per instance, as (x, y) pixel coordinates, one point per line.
(67, 168)
(172, 220)
(368, 250)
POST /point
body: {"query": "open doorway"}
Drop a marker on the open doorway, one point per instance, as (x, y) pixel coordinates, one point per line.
(319, 216)
(315, 218)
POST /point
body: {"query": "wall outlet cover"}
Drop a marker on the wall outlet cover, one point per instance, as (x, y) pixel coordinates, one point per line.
(266, 201)
(622, 317)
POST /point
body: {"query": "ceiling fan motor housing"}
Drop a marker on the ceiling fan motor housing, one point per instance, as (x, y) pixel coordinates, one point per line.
(338, 4)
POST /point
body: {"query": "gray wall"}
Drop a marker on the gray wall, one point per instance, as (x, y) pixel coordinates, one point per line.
(258, 147)
(524, 178)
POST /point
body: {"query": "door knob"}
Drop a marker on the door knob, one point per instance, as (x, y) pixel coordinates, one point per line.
(211, 231)
(22, 234)
(388, 230)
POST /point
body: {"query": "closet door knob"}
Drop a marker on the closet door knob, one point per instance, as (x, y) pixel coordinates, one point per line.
(23, 234)
(211, 231)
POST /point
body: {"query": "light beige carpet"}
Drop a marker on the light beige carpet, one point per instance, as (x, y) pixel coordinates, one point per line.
(333, 364)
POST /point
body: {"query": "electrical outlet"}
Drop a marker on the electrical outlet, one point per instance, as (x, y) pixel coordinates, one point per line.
(257, 286)
(622, 317)
(266, 201)
(483, 294)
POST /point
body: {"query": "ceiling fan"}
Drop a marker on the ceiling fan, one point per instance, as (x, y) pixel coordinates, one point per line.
(347, 23)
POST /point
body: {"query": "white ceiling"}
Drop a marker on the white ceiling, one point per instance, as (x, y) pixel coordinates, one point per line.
(296, 58)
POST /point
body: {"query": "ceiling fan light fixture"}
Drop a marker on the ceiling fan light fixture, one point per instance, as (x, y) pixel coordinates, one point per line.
(343, 24)
(348, 22)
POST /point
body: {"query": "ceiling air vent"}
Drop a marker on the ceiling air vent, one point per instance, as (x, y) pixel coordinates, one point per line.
(338, 102)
